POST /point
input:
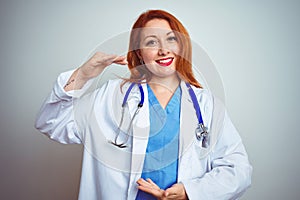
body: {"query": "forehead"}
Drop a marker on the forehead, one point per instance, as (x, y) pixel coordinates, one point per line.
(158, 23)
(156, 26)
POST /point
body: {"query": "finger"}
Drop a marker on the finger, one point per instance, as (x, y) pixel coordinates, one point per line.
(169, 197)
(177, 191)
(155, 192)
(174, 190)
(144, 183)
(108, 58)
(120, 60)
(124, 62)
(152, 183)
(103, 56)
(150, 187)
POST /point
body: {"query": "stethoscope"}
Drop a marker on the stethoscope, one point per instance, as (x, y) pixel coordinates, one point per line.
(200, 132)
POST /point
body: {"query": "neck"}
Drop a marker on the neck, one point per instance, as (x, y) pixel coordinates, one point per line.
(162, 85)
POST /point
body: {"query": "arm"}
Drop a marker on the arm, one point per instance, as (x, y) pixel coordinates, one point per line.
(231, 172)
(56, 117)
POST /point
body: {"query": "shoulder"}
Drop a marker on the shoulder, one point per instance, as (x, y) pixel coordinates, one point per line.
(108, 86)
(204, 96)
(100, 96)
(201, 92)
(100, 90)
(112, 83)
(116, 83)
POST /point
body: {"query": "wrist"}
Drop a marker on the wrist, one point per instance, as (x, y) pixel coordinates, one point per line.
(87, 72)
(76, 81)
(69, 83)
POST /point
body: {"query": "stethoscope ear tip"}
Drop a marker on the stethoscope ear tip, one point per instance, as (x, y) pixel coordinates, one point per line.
(117, 145)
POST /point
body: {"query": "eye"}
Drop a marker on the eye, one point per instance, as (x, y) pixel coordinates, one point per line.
(151, 43)
(172, 39)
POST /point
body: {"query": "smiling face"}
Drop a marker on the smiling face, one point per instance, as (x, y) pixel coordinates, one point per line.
(159, 48)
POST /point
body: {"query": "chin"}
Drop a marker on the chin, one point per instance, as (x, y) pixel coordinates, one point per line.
(167, 74)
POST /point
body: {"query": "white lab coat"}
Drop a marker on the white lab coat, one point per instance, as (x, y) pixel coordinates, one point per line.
(219, 172)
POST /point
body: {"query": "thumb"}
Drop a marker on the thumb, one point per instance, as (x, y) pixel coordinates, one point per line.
(172, 190)
(166, 193)
(120, 60)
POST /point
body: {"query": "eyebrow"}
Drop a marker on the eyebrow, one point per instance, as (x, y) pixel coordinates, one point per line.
(155, 35)
(170, 32)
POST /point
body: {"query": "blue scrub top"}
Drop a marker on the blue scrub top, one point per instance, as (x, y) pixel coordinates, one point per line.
(161, 159)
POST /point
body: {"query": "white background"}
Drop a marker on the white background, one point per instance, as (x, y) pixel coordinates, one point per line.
(254, 45)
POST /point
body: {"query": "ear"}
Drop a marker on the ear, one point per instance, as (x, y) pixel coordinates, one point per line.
(138, 53)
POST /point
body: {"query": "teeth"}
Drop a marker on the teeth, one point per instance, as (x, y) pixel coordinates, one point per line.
(165, 61)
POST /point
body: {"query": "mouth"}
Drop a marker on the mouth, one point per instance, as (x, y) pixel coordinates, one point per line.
(165, 61)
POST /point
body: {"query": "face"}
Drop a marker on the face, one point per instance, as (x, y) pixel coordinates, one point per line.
(158, 48)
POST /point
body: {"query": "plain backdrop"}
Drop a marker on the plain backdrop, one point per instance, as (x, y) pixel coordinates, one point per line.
(255, 46)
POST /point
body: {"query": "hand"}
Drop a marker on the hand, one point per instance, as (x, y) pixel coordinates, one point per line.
(177, 191)
(97, 63)
(92, 68)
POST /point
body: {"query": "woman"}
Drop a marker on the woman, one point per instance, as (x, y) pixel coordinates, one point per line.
(166, 160)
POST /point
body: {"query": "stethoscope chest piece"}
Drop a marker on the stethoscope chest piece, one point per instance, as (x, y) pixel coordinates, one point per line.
(202, 135)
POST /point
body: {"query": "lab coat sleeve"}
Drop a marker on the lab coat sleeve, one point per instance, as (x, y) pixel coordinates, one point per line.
(230, 173)
(56, 117)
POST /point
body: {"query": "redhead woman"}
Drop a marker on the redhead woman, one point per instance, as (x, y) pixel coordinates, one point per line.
(155, 135)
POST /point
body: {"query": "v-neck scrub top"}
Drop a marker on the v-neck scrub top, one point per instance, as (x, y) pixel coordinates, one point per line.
(161, 159)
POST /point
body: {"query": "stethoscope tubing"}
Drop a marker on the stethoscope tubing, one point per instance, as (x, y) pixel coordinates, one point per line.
(129, 129)
(195, 103)
(200, 132)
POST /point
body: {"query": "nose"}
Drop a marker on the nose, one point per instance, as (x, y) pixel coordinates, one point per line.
(163, 50)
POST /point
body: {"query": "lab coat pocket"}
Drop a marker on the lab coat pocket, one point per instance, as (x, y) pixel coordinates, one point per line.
(200, 160)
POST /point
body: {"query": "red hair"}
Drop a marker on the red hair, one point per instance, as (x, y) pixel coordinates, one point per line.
(183, 63)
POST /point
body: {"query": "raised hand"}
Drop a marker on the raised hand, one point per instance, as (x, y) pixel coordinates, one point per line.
(92, 68)
(97, 63)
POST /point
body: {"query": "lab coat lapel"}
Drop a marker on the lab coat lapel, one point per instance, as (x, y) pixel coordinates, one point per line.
(141, 128)
(188, 123)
